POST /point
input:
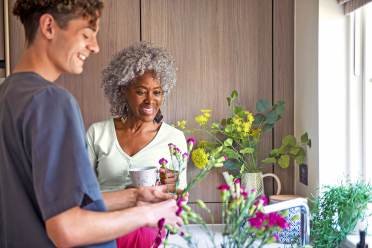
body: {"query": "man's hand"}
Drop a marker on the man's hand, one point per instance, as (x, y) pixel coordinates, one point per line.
(166, 210)
(154, 194)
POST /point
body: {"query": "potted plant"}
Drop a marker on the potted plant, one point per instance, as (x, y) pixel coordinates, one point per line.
(238, 137)
(336, 212)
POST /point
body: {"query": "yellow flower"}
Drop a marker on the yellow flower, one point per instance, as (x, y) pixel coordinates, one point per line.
(256, 132)
(200, 158)
(250, 117)
(181, 124)
(201, 120)
(237, 120)
(246, 127)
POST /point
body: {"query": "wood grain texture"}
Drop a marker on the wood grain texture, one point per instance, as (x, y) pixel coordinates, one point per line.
(283, 80)
(218, 46)
(2, 36)
(119, 28)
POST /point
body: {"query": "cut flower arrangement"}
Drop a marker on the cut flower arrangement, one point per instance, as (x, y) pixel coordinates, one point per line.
(238, 136)
(245, 223)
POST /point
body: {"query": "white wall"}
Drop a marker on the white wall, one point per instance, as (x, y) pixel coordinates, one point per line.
(306, 86)
(321, 73)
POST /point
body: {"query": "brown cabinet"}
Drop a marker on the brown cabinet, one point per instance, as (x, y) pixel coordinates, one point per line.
(219, 45)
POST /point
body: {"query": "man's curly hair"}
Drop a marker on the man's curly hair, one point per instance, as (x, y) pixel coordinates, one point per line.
(30, 11)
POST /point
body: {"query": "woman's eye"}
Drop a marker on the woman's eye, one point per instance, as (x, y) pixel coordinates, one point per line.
(85, 36)
(158, 93)
(140, 92)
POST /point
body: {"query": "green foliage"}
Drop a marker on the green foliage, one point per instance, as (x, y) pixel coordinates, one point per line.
(240, 133)
(336, 211)
(290, 150)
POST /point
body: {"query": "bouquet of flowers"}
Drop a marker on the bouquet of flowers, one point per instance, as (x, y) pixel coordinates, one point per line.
(238, 136)
(203, 161)
(245, 223)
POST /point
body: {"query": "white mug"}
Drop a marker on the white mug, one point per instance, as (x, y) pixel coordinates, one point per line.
(144, 176)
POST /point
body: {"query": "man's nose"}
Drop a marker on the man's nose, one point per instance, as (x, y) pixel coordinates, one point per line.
(93, 46)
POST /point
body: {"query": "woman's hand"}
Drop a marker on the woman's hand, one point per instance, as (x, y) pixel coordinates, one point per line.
(168, 177)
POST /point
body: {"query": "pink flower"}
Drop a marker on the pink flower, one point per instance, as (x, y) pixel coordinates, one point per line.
(237, 180)
(225, 157)
(282, 222)
(223, 187)
(185, 155)
(190, 143)
(161, 223)
(163, 161)
(191, 140)
(257, 221)
(180, 202)
(276, 236)
(157, 242)
(244, 194)
(179, 211)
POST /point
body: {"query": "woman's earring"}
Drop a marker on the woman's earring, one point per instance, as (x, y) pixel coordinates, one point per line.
(125, 110)
(159, 117)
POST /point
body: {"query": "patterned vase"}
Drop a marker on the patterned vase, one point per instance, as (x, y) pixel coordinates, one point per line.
(255, 181)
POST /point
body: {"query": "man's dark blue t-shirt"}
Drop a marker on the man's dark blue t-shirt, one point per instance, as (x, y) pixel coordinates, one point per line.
(44, 166)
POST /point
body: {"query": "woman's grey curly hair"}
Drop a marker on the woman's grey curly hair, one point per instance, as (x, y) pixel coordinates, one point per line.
(131, 63)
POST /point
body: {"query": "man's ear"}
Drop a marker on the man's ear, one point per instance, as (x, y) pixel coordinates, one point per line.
(47, 26)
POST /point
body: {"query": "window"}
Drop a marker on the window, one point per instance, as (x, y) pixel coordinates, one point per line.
(366, 22)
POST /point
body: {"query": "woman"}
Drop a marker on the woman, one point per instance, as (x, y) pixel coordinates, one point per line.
(135, 82)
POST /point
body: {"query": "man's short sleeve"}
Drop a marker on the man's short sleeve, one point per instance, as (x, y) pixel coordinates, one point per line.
(53, 133)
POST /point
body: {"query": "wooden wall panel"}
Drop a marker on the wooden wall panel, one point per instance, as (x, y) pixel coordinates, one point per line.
(219, 45)
(283, 77)
(113, 36)
(2, 54)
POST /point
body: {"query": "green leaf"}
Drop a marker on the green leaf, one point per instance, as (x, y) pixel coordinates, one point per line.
(230, 153)
(215, 125)
(300, 159)
(304, 138)
(269, 160)
(247, 150)
(228, 142)
(274, 152)
(262, 105)
(279, 108)
(289, 140)
(234, 94)
(295, 218)
(267, 127)
(284, 213)
(294, 150)
(232, 166)
(228, 101)
(258, 119)
(283, 161)
(271, 118)
(239, 111)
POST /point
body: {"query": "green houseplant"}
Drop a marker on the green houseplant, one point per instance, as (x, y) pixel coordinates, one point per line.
(336, 211)
(238, 137)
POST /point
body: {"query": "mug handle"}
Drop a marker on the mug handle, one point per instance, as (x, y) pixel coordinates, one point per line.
(277, 181)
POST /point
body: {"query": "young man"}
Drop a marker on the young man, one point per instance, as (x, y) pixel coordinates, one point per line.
(48, 192)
